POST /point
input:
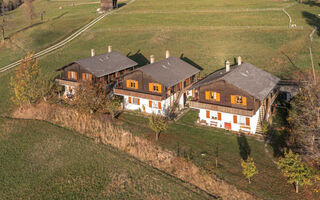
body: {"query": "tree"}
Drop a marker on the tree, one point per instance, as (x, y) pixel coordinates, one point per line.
(3, 21)
(249, 168)
(158, 123)
(29, 11)
(304, 121)
(112, 106)
(28, 83)
(296, 171)
(91, 97)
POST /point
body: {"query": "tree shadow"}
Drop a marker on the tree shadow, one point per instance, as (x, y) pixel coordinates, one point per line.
(138, 58)
(278, 134)
(244, 148)
(312, 3)
(312, 20)
(186, 59)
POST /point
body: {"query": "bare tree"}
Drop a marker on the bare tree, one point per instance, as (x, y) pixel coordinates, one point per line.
(3, 21)
(29, 11)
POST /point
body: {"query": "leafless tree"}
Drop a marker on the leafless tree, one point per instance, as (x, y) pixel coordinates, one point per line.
(29, 10)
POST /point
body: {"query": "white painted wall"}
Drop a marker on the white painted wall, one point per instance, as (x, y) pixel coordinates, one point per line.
(228, 118)
(67, 91)
(144, 105)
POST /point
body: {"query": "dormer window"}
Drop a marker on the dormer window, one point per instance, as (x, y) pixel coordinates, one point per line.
(155, 87)
(212, 96)
(132, 84)
(72, 75)
(237, 99)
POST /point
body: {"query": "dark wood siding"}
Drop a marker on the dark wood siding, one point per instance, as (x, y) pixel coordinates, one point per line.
(143, 83)
(75, 68)
(226, 90)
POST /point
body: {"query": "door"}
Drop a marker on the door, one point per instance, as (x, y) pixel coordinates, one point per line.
(227, 126)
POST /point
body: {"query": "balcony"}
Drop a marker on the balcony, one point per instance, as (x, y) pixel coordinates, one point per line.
(225, 109)
(67, 82)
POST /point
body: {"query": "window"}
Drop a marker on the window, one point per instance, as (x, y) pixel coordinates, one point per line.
(241, 120)
(133, 100)
(213, 96)
(213, 115)
(72, 75)
(132, 84)
(155, 104)
(87, 76)
(155, 87)
(237, 99)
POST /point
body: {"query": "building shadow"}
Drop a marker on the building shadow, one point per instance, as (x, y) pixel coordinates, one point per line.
(186, 59)
(312, 3)
(312, 20)
(121, 5)
(244, 148)
(139, 58)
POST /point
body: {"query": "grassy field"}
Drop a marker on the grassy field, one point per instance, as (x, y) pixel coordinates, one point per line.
(42, 161)
(190, 141)
(206, 32)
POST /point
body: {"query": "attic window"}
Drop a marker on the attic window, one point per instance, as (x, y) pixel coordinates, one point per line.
(213, 96)
(237, 99)
(132, 84)
(155, 87)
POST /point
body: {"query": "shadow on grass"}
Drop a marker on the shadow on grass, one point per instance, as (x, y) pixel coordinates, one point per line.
(138, 58)
(244, 148)
(186, 59)
(312, 20)
(121, 5)
(312, 3)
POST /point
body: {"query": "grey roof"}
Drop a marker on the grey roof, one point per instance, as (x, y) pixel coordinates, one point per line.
(247, 77)
(105, 64)
(170, 71)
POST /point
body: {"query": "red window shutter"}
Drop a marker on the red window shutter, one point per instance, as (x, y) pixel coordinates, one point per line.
(76, 76)
(129, 99)
(90, 77)
(248, 121)
(208, 114)
(219, 116)
(138, 101)
(235, 119)
(159, 105)
(150, 104)
(83, 76)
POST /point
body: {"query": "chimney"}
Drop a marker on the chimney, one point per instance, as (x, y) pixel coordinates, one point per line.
(152, 59)
(109, 49)
(93, 53)
(239, 60)
(227, 66)
(167, 54)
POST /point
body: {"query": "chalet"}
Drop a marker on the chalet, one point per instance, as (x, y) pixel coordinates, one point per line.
(108, 67)
(108, 4)
(156, 87)
(236, 98)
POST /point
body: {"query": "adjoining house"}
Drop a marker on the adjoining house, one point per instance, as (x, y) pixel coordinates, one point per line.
(237, 98)
(158, 86)
(108, 67)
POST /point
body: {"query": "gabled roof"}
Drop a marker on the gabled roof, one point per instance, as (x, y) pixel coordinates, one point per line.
(105, 64)
(247, 77)
(170, 71)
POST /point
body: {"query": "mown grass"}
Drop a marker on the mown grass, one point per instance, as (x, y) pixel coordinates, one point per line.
(190, 141)
(42, 161)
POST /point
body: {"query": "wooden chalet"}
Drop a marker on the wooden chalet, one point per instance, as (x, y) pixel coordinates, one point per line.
(156, 87)
(108, 67)
(108, 4)
(237, 98)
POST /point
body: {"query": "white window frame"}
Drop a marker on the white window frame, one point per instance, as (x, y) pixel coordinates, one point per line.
(214, 115)
(134, 100)
(242, 120)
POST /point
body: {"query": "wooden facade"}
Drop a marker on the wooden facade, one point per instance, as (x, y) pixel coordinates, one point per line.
(83, 74)
(226, 91)
(144, 82)
(108, 4)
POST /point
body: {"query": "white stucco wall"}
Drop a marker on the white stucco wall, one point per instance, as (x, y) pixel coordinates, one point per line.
(228, 118)
(144, 105)
(66, 90)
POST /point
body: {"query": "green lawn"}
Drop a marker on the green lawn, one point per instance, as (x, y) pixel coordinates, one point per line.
(190, 141)
(42, 161)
